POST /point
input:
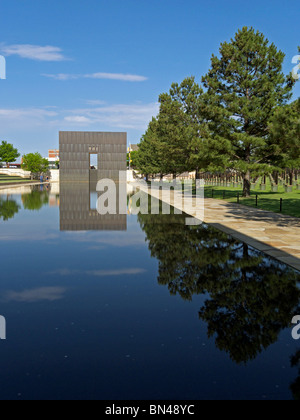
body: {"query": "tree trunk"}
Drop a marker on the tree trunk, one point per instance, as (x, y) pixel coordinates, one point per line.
(291, 177)
(245, 251)
(247, 184)
(7, 164)
(197, 173)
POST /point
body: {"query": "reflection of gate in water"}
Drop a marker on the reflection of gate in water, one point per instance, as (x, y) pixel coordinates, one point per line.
(78, 209)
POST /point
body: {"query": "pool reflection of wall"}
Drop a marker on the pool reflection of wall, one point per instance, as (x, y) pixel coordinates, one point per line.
(78, 210)
(76, 148)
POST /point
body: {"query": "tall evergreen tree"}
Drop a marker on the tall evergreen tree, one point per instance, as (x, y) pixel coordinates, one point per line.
(285, 137)
(172, 133)
(190, 96)
(244, 87)
(149, 158)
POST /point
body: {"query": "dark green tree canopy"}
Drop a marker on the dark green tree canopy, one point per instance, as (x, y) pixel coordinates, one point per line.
(285, 136)
(235, 124)
(149, 158)
(8, 209)
(35, 200)
(173, 141)
(244, 86)
(8, 153)
(35, 163)
(250, 298)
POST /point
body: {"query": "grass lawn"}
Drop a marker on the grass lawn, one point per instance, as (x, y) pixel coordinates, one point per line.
(5, 179)
(267, 200)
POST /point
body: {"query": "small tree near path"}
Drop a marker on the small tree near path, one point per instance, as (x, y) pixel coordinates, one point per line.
(35, 163)
(8, 153)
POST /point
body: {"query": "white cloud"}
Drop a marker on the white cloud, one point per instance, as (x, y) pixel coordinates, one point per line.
(125, 116)
(93, 102)
(61, 76)
(25, 119)
(111, 273)
(34, 52)
(117, 76)
(26, 113)
(50, 294)
(78, 119)
(106, 117)
(104, 76)
(98, 273)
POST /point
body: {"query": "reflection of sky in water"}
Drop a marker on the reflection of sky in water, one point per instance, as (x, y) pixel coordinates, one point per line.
(86, 318)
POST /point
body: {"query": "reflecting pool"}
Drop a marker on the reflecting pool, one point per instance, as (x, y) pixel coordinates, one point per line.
(138, 307)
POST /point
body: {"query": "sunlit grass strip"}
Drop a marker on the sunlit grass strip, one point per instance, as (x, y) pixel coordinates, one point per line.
(267, 200)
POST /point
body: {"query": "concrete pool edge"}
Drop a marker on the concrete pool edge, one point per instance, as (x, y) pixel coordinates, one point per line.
(275, 235)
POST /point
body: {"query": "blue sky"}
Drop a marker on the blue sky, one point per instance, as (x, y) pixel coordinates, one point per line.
(99, 65)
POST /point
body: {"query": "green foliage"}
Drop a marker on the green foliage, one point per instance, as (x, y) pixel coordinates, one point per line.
(8, 153)
(35, 200)
(149, 158)
(249, 297)
(133, 159)
(35, 163)
(285, 136)
(189, 96)
(241, 123)
(8, 209)
(244, 88)
(173, 141)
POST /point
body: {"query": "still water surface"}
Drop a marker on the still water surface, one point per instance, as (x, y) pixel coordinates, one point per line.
(140, 307)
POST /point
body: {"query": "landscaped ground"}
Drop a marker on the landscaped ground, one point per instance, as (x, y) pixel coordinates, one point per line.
(267, 200)
(5, 179)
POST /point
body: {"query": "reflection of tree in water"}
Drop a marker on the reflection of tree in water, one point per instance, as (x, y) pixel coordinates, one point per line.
(251, 296)
(295, 387)
(8, 209)
(35, 200)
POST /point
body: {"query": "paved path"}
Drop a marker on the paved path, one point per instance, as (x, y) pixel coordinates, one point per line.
(274, 234)
(24, 184)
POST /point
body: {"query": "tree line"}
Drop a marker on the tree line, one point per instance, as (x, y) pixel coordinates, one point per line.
(240, 119)
(32, 162)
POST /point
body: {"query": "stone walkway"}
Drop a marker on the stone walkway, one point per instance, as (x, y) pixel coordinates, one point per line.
(24, 184)
(274, 234)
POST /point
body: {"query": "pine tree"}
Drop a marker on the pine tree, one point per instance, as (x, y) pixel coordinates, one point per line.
(244, 87)
(285, 137)
(190, 96)
(172, 135)
(148, 158)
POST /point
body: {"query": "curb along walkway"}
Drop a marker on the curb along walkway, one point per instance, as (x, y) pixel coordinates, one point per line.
(25, 184)
(274, 234)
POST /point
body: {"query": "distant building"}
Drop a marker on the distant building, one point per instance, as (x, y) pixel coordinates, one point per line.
(133, 147)
(53, 158)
